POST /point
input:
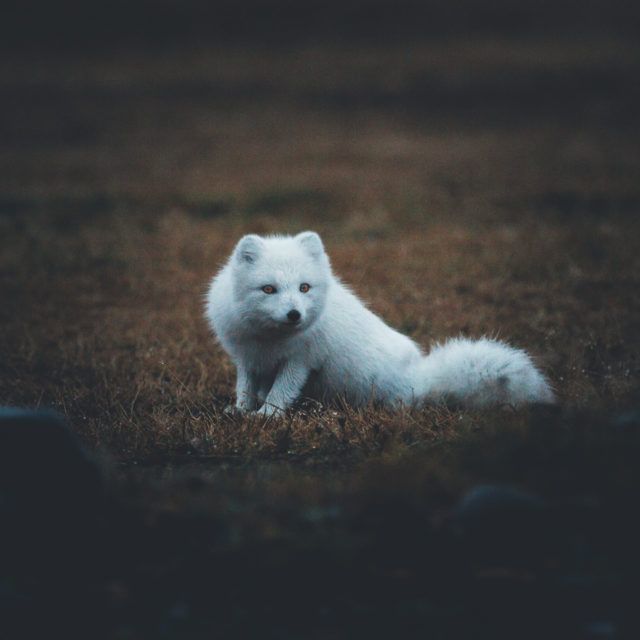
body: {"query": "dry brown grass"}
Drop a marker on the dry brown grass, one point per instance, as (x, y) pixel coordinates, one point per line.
(484, 188)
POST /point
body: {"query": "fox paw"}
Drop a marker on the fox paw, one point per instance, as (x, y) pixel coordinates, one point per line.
(233, 411)
(268, 411)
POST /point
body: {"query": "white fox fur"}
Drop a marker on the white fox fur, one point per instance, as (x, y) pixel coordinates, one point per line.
(337, 348)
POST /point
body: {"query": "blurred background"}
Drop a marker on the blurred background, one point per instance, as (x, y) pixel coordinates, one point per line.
(71, 23)
(472, 166)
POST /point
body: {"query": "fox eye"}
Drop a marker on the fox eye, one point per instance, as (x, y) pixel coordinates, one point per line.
(269, 288)
(304, 287)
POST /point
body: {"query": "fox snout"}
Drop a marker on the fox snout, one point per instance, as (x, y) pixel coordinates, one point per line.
(293, 316)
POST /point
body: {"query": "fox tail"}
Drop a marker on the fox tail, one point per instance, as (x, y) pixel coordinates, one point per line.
(480, 373)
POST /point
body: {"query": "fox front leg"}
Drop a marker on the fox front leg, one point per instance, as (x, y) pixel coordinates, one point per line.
(286, 388)
(246, 390)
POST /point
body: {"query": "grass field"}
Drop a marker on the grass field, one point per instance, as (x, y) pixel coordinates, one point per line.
(462, 186)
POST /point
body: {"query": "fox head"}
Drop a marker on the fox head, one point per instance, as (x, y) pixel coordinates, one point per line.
(280, 282)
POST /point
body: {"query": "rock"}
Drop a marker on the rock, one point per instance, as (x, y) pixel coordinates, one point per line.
(626, 420)
(494, 500)
(50, 491)
(502, 525)
(40, 459)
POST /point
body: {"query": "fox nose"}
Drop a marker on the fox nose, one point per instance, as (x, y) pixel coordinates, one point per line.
(293, 315)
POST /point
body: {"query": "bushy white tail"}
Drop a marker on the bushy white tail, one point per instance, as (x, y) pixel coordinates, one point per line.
(480, 373)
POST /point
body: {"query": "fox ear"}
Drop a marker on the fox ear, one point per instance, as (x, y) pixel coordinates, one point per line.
(249, 248)
(311, 241)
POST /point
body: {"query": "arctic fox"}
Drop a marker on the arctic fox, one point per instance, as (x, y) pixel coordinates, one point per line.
(293, 331)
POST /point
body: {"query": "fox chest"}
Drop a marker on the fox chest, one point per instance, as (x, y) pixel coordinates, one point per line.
(267, 359)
